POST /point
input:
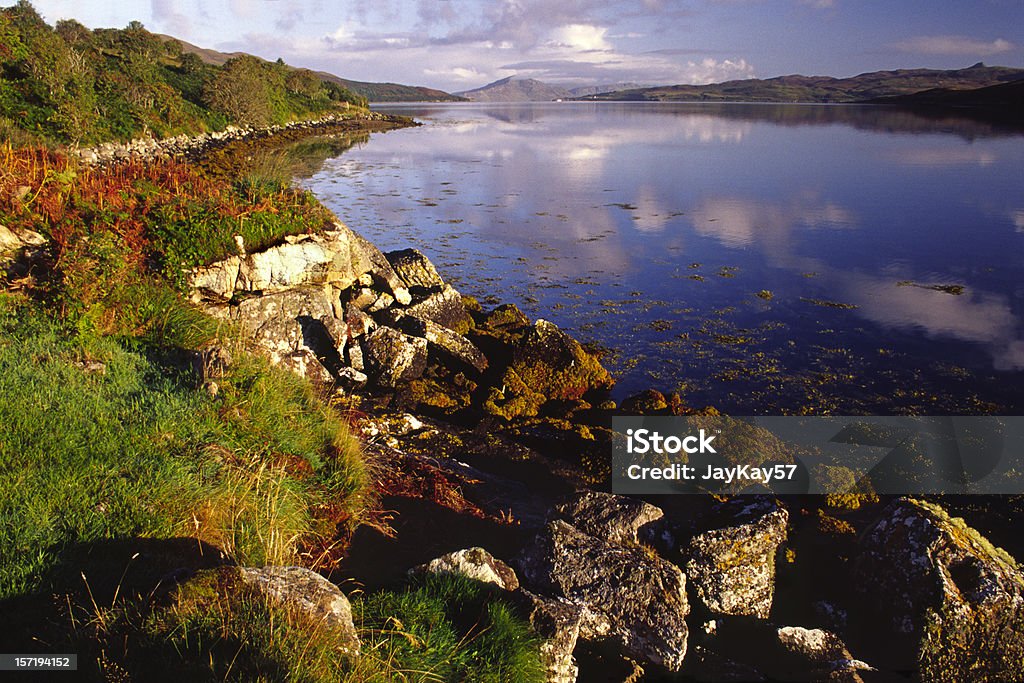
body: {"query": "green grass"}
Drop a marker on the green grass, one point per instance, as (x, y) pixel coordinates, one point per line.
(139, 451)
(442, 629)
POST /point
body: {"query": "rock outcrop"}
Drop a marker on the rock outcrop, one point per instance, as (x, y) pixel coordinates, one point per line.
(615, 518)
(334, 308)
(941, 587)
(732, 568)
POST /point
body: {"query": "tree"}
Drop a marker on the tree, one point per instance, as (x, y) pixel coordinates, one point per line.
(245, 91)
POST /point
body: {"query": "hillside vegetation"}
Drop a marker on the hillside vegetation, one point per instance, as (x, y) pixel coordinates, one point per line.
(797, 88)
(66, 84)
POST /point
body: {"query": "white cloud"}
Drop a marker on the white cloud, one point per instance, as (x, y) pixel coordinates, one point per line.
(954, 45)
(580, 37)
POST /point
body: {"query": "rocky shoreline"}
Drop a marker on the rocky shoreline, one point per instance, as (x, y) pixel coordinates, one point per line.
(499, 428)
(194, 146)
(490, 436)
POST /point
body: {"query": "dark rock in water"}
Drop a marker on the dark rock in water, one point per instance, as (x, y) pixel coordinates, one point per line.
(306, 593)
(628, 596)
(615, 518)
(732, 569)
(649, 401)
(957, 600)
(547, 364)
(441, 338)
(558, 623)
(393, 357)
(472, 563)
(556, 365)
(506, 317)
(444, 308)
(415, 269)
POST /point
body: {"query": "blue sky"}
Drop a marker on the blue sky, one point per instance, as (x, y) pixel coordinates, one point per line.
(462, 44)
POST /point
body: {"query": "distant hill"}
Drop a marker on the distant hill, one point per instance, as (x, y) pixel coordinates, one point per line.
(374, 92)
(1005, 97)
(797, 88)
(515, 89)
(391, 92)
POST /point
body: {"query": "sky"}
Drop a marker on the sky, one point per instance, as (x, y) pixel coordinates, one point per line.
(462, 44)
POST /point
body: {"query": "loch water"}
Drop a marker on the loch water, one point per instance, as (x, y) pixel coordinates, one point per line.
(758, 258)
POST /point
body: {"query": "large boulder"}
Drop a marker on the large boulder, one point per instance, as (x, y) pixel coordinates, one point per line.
(294, 328)
(307, 593)
(415, 269)
(547, 364)
(944, 590)
(732, 568)
(441, 339)
(615, 518)
(14, 240)
(472, 563)
(443, 307)
(629, 596)
(392, 357)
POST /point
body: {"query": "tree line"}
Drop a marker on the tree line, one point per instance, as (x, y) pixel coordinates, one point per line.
(67, 84)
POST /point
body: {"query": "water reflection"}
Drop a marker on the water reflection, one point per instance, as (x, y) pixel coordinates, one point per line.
(634, 225)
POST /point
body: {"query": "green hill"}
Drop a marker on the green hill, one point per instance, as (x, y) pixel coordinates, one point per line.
(68, 84)
(1005, 97)
(797, 88)
(374, 92)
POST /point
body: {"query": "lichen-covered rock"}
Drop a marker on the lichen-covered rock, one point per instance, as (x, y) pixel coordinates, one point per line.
(557, 622)
(440, 338)
(615, 518)
(392, 357)
(555, 365)
(444, 308)
(415, 269)
(307, 593)
(732, 568)
(359, 323)
(289, 326)
(473, 563)
(627, 595)
(958, 599)
(506, 317)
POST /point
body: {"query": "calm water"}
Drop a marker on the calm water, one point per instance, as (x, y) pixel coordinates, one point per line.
(757, 258)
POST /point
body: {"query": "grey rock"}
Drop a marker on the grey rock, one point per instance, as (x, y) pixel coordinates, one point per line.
(637, 600)
(362, 297)
(393, 357)
(941, 587)
(309, 594)
(732, 569)
(415, 269)
(472, 563)
(446, 341)
(444, 308)
(289, 327)
(615, 518)
(557, 622)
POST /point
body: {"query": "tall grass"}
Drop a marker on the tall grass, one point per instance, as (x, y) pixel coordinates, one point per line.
(444, 629)
(131, 448)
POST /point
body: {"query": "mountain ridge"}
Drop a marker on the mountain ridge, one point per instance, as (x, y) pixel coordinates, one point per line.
(824, 89)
